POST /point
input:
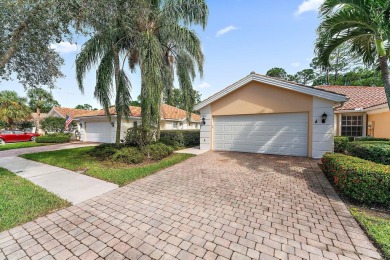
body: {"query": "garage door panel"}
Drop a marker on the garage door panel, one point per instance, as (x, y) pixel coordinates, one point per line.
(284, 134)
(99, 132)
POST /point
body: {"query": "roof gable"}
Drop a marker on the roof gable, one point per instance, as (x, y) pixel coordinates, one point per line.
(274, 82)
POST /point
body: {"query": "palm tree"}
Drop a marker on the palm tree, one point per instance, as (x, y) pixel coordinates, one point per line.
(13, 109)
(364, 25)
(106, 48)
(37, 97)
(167, 46)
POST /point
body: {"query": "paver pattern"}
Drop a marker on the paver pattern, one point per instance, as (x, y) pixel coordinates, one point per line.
(213, 206)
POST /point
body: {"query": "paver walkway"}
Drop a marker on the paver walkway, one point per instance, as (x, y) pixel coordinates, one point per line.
(213, 206)
(193, 150)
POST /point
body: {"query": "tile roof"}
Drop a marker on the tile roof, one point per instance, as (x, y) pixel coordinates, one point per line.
(167, 112)
(72, 112)
(359, 97)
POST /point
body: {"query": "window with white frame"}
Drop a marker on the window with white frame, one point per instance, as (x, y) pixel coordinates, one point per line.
(351, 125)
(174, 125)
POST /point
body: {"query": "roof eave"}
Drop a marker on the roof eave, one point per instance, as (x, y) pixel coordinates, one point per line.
(275, 82)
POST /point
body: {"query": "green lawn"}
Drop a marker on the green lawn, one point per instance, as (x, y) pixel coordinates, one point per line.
(378, 228)
(9, 146)
(78, 159)
(22, 201)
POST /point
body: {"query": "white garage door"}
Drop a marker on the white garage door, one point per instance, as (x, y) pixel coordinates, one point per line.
(99, 132)
(284, 134)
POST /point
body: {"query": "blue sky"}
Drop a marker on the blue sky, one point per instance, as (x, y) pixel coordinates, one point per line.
(241, 36)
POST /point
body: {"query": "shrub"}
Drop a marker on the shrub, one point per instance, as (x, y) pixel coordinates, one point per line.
(182, 137)
(157, 151)
(368, 139)
(174, 144)
(54, 124)
(104, 151)
(340, 144)
(53, 138)
(139, 136)
(374, 151)
(361, 180)
(128, 155)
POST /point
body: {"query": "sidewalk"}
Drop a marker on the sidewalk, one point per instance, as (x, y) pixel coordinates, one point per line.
(69, 185)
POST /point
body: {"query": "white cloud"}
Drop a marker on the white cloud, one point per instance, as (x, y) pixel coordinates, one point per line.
(296, 64)
(64, 47)
(309, 6)
(226, 30)
(204, 85)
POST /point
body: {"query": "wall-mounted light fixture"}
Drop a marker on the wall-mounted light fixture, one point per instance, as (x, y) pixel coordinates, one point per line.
(324, 117)
(203, 121)
(112, 124)
(81, 125)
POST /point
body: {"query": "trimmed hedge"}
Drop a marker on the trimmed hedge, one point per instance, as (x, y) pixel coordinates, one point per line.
(369, 139)
(361, 180)
(374, 151)
(53, 138)
(185, 138)
(340, 144)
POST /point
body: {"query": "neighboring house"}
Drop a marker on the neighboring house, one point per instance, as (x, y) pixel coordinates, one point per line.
(94, 125)
(260, 114)
(366, 113)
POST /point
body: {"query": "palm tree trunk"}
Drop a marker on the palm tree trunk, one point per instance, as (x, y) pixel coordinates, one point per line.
(384, 66)
(117, 108)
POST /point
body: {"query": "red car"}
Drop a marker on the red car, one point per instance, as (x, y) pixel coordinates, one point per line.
(11, 136)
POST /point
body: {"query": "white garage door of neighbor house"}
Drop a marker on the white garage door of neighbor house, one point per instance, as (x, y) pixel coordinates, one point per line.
(99, 132)
(284, 134)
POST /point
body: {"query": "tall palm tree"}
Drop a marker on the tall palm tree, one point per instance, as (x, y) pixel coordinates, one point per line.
(168, 46)
(364, 25)
(13, 109)
(37, 96)
(107, 49)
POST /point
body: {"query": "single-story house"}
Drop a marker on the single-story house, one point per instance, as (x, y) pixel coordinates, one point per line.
(260, 114)
(94, 125)
(366, 113)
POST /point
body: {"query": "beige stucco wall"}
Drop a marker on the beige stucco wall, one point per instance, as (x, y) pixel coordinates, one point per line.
(382, 124)
(259, 98)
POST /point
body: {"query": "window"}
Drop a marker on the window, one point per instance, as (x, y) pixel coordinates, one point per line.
(174, 125)
(352, 125)
(19, 132)
(135, 124)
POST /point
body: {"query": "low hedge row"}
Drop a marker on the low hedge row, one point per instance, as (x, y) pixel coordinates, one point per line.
(185, 138)
(362, 180)
(374, 151)
(53, 138)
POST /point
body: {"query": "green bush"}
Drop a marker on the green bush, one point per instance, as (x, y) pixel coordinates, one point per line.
(53, 138)
(362, 180)
(139, 136)
(374, 151)
(340, 144)
(104, 151)
(368, 139)
(182, 137)
(128, 155)
(174, 144)
(157, 151)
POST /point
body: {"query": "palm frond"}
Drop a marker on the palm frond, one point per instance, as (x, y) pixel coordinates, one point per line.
(123, 96)
(104, 83)
(190, 12)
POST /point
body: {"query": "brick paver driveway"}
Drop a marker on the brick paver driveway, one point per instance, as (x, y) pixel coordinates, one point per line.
(214, 206)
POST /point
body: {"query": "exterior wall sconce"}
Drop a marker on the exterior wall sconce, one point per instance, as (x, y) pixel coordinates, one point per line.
(203, 121)
(324, 117)
(112, 124)
(81, 125)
